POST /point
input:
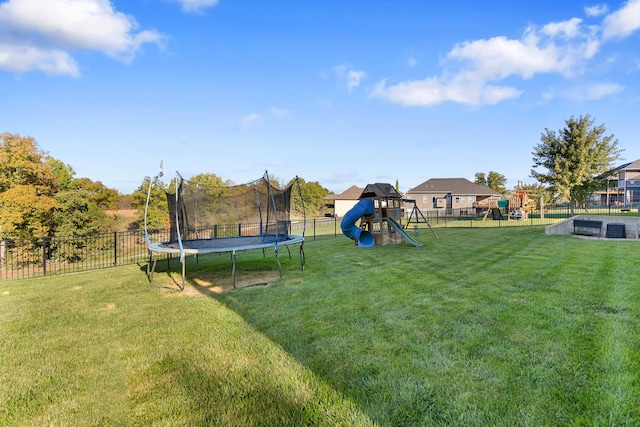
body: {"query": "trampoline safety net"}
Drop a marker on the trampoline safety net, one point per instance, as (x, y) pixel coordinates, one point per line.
(200, 211)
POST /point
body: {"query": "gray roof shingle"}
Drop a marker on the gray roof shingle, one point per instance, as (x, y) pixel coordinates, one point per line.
(461, 186)
(351, 193)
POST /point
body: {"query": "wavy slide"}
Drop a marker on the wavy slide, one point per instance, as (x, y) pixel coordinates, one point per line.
(401, 231)
(348, 225)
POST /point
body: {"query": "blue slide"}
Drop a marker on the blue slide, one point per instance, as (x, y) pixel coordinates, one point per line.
(348, 225)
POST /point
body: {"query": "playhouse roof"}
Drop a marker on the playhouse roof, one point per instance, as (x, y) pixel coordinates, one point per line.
(380, 190)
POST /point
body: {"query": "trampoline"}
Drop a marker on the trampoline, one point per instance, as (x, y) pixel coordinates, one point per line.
(208, 219)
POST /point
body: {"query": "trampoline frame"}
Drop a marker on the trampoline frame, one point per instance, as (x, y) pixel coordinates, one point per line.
(163, 248)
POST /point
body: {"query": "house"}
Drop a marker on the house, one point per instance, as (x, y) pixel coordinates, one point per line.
(629, 183)
(452, 194)
(623, 187)
(344, 201)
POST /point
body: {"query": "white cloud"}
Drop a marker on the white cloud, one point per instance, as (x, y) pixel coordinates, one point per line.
(25, 58)
(473, 68)
(568, 29)
(351, 77)
(279, 112)
(354, 78)
(412, 62)
(55, 28)
(249, 121)
(463, 89)
(596, 10)
(622, 22)
(600, 90)
(196, 6)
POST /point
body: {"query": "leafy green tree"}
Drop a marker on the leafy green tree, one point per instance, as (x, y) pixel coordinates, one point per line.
(312, 195)
(210, 183)
(480, 179)
(25, 213)
(96, 191)
(22, 162)
(576, 161)
(497, 182)
(78, 215)
(63, 173)
(27, 184)
(158, 211)
(493, 180)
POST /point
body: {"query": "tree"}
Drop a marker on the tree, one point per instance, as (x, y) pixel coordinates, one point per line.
(497, 182)
(98, 193)
(158, 212)
(210, 183)
(78, 214)
(494, 180)
(25, 213)
(63, 174)
(312, 194)
(27, 184)
(480, 179)
(22, 162)
(575, 161)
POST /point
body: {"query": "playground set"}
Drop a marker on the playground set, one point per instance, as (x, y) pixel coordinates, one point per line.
(517, 206)
(380, 212)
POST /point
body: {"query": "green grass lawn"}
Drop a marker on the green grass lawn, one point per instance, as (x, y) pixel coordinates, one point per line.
(484, 326)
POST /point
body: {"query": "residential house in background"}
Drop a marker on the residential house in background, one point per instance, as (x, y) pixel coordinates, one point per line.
(629, 183)
(452, 194)
(623, 187)
(344, 201)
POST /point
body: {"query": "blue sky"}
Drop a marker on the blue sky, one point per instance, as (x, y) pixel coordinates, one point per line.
(339, 92)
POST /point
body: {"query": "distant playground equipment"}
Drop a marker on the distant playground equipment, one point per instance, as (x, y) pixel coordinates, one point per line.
(518, 206)
(380, 214)
(257, 215)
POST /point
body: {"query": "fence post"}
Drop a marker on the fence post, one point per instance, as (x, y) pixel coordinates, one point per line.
(115, 248)
(314, 229)
(44, 255)
(239, 229)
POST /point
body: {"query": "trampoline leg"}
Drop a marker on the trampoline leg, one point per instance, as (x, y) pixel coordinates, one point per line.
(302, 255)
(184, 262)
(278, 261)
(151, 267)
(233, 270)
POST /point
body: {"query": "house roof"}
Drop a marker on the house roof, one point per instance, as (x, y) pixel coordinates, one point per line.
(630, 166)
(460, 186)
(351, 193)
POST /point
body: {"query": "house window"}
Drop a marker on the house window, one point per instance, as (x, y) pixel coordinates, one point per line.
(425, 200)
(457, 200)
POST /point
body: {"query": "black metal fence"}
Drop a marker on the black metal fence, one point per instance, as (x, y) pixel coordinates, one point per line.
(39, 257)
(47, 256)
(504, 218)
